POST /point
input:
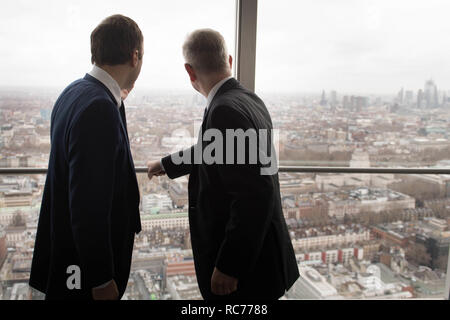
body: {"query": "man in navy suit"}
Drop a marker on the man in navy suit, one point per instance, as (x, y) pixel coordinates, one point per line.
(90, 206)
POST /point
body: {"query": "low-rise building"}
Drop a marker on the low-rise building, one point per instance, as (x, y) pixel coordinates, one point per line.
(331, 240)
(182, 287)
(152, 203)
(312, 285)
(165, 221)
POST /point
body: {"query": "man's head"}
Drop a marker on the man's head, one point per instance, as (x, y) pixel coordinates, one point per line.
(207, 59)
(117, 42)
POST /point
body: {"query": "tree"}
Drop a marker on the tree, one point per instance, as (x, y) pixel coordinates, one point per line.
(441, 262)
(418, 253)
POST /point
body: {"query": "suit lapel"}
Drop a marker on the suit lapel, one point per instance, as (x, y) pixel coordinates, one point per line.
(123, 123)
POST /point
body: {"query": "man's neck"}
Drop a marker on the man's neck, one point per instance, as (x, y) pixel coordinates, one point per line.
(211, 81)
(118, 73)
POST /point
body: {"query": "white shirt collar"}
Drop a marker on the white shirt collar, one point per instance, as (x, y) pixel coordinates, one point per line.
(214, 90)
(109, 82)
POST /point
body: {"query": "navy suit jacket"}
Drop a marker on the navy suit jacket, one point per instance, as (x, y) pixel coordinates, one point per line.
(90, 205)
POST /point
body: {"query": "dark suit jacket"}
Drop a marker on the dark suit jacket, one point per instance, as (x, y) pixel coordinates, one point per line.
(90, 206)
(235, 214)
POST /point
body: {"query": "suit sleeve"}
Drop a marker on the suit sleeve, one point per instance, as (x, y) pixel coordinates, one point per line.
(93, 145)
(175, 169)
(251, 202)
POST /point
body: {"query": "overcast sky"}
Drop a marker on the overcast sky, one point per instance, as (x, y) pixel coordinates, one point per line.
(373, 46)
(353, 45)
(47, 42)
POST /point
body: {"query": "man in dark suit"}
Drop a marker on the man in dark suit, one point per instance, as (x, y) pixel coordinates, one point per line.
(90, 207)
(240, 241)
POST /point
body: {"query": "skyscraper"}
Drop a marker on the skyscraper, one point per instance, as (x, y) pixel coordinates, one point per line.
(400, 96)
(346, 102)
(420, 98)
(333, 98)
(409, 97)
(323, 101)
(436, 97)
(431, 94)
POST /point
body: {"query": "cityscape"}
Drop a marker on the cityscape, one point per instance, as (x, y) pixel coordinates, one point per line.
(356, 236)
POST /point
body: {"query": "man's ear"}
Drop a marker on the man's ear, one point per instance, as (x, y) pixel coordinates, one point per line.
(191, 72)
(230, 60)
(135, 60)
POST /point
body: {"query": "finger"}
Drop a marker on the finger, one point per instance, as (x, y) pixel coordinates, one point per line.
(228, 288)
(214, 287)
(221, 290)
(235, 286)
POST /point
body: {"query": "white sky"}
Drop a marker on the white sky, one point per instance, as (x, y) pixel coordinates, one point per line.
(47, 42)
(374, 46)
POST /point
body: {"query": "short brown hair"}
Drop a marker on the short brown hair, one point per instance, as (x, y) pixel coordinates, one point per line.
(114, 40)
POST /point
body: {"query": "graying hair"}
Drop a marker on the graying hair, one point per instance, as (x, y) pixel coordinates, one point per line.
(206, 51)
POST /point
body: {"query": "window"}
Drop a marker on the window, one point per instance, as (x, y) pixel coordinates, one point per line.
(347, 84)
(46, 46)
(357, 83)
(363, 84)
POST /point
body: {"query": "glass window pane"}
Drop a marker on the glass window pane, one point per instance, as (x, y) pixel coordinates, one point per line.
(365, 81)
(45, 47)
(362, 84)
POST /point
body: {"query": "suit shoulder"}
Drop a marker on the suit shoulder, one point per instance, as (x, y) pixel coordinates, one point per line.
(230, 96)
(239, 99)
(99, 105)
(240, 105)
(87, 93)
(89, 101)
(87, 87)
(238, 95)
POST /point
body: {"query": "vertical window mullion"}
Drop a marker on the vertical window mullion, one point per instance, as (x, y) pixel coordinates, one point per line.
(245, 55)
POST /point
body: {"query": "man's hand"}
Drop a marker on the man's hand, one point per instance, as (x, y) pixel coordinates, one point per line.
(154, 169)
(110, 292)
(222, 284)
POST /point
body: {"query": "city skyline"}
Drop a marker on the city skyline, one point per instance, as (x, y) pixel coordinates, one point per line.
(56, 89)
(385, 229)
